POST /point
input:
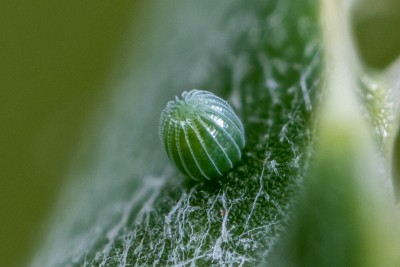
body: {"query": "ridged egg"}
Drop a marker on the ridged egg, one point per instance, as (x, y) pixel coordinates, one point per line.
(202, 135)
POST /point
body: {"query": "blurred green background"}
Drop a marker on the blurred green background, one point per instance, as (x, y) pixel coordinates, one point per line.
(55, 57)
(55, 60)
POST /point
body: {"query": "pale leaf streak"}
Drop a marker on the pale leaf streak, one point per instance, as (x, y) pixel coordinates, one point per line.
(303, 81)
(127, 244)
(151, 184)
(172, 212)
(263, 229)
(192, 260)
(292, 119)
(207, 231)
(183, 212)
(259, 193)
(148, 205)
(224, 231)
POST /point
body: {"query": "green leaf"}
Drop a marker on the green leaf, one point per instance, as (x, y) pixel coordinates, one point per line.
(129, 206)
(347, 215)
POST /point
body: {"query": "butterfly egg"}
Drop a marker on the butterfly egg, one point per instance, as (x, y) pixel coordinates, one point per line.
(202, 135)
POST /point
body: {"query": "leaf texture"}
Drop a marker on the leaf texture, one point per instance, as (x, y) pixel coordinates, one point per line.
(130, 207)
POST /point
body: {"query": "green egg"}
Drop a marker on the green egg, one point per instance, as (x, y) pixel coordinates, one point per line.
(202, 135)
